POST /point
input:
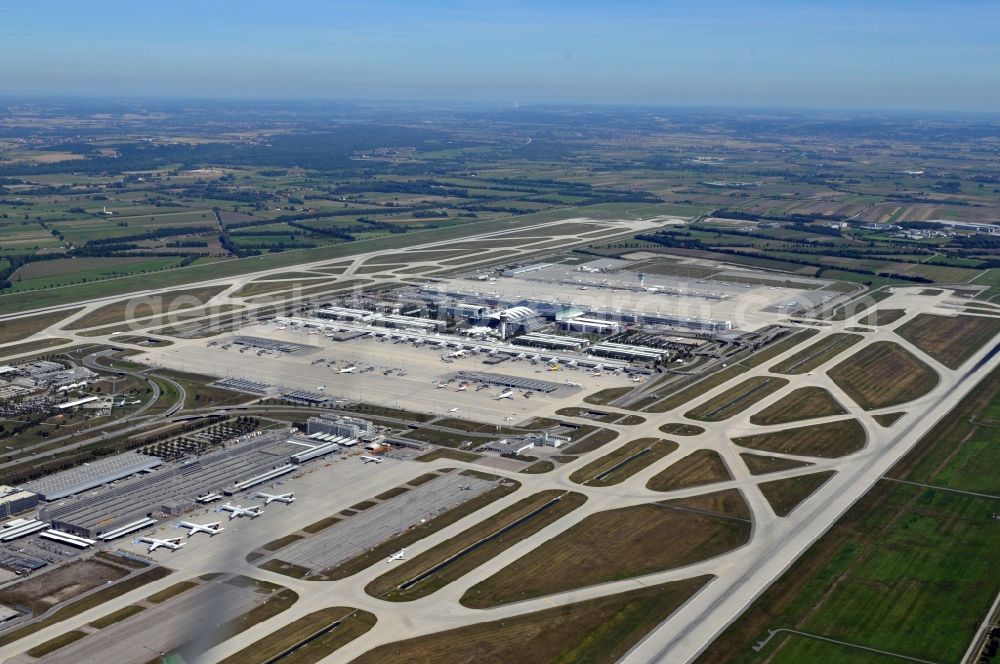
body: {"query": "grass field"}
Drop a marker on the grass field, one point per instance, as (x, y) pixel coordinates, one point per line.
(622, 463)
(29, 346)
(446, 438)
(883, 374)
(779, 347)
(54, 644)
(281, 542)
(199, 394)
(599, 630)
(521, 520)
(961, 449)
(737, 399)
(991, 279)
(696, 390)
(801, 404)
(539, 468)
(352, 623)
(682, 429)
(909, 570)
(699, 467)
(596, 415)
(295, 276)
(859, 305)
(606, 396)
(951, 340)
(292, 259)
(82, 271)
(809, 358)
(146, 306)
(19, 328)
(727, 503)
(589, 440)
(831, 439)
(882, 317)
(117, 616)
(887, 419)
(612, 545)
(801, 648)
(171, 591)
(785, 495)
(446, 453)
(264, 287)
(759, 464)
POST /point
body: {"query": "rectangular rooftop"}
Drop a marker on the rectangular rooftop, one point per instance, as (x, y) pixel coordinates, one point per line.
(90, 475)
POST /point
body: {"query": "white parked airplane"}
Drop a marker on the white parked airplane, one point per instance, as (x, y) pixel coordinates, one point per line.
(462, 388)
(253, 511)
(173, 543)
(371, 459)
(453, 410)
(636, 379)
(211, 528)
(321, 387)
(509, 394)
(350, 369)
(399, 555)
(211, 497)
(573, 384)
(269, 498)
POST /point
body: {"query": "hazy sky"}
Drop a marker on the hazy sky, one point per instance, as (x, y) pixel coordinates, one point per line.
(919, 54)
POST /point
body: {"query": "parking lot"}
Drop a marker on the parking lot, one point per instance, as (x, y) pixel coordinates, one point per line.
(372, 526)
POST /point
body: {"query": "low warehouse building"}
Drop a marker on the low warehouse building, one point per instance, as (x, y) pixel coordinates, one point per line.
(507, 447)
(94, 474)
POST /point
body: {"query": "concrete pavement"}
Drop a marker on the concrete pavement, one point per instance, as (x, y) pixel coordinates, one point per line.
(740, 575)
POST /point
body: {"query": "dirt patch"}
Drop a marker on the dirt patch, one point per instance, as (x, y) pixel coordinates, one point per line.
(699, 467)
(43, 591)
(832, 439)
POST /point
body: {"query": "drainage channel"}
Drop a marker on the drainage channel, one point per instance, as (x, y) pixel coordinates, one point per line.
(306, 641)
(472, 547)
(742, 397)
(618, 465)
(823, 349)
